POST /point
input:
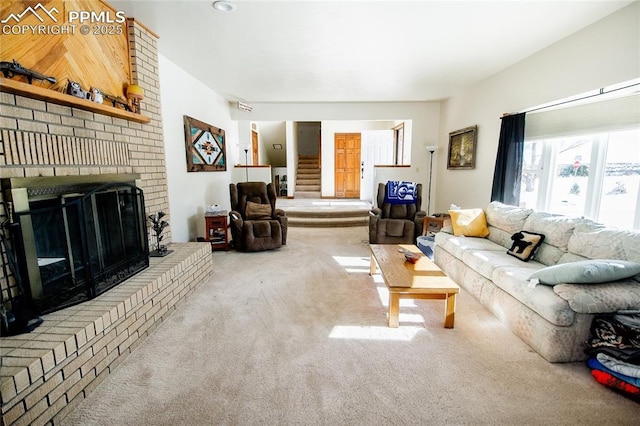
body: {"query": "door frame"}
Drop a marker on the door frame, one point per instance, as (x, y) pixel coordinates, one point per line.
(254, 148)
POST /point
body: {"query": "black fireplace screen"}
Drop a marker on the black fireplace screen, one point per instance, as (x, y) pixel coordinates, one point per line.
(75, 246)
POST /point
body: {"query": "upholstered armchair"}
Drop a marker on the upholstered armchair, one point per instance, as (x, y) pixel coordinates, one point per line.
(396, 221)
(255, 222)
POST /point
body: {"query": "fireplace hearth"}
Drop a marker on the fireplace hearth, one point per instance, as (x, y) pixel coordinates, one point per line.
(76, 237)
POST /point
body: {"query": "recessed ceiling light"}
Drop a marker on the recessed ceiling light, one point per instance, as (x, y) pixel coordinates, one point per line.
(224, 6)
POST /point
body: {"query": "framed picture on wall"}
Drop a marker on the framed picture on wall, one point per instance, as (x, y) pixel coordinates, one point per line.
(205, 146)
(462, 149)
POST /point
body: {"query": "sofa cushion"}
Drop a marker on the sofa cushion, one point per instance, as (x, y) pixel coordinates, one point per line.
(485, 262)
(264, 228)
(508, 218)
(595, 241)
(396, 227)
(558, 229)
(541, 299)
(469, 222)
(458, 245)
(525, 245)
(587, 272)
(257, 211)
(500, 236)
(600, 298)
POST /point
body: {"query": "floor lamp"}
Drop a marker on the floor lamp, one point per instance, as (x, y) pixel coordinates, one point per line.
(246, 163)
(431, 149)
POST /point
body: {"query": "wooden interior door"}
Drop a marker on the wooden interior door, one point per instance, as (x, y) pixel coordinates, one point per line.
(254, 148)
(347, 165)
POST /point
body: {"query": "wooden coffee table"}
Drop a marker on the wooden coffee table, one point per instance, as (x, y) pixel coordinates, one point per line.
(406, 280)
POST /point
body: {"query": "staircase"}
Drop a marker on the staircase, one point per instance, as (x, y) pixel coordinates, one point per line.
(308, 178)
(307, 209)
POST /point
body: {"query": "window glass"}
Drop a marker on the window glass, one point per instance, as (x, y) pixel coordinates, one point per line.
(596, 176)
(571, 175)
(621, 184)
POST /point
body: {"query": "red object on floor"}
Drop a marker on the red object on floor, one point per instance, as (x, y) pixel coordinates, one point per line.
(620, 385)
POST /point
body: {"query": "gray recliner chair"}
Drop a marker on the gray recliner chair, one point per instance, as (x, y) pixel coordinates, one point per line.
(392, 223)
(255, 223)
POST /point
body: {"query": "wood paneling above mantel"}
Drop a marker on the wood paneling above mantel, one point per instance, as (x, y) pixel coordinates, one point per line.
(48, 95)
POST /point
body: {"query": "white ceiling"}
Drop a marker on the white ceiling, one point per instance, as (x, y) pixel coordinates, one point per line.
(356, 51)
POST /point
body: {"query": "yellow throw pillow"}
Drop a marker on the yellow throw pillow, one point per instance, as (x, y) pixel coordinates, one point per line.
(469, 223)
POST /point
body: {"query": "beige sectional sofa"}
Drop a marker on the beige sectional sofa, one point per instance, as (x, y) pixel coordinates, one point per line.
(553, 319)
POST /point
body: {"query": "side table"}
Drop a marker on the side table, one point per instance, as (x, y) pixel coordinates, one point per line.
(216, 230)
(435, 223)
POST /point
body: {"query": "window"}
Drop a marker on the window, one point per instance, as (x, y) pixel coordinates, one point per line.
(594, 175)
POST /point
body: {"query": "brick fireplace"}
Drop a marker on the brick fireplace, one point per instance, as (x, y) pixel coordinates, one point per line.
(46, 373)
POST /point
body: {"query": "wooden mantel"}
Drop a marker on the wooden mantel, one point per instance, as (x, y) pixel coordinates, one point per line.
(48, 95)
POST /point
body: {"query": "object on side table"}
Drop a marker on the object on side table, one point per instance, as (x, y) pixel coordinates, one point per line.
(215, 208)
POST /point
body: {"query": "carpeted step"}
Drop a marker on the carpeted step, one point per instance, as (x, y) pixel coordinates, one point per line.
(327, 214)
(307, 181)
(308, 194)
(309, 171)
(319, 218)
(327, 222)
(307, 188)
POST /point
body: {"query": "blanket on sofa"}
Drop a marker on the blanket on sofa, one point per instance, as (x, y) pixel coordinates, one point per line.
(401, 192)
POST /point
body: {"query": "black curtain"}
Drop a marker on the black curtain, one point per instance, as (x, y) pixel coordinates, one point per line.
(506, 176)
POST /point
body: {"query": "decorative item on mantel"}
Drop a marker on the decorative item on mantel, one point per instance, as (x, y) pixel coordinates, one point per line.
(135, 93)
(158, 226)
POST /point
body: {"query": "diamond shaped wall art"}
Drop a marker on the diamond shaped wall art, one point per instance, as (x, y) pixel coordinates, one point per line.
(205, 145)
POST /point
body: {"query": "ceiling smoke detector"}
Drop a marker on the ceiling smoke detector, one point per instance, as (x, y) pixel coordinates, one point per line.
(224, 6)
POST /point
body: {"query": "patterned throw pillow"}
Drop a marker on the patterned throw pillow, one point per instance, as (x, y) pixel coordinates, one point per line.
(257, 211)
(525, 245)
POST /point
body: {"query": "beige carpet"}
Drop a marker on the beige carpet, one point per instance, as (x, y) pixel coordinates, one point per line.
(299, 336)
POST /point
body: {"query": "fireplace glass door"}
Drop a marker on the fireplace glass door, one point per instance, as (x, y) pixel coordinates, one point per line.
(76, 246)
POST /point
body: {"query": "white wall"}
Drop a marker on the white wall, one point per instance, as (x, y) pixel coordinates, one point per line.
(190, 193)
(424, 116)
(604, 53)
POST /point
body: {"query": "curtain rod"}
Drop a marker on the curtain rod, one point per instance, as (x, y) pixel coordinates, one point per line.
(601, 92)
